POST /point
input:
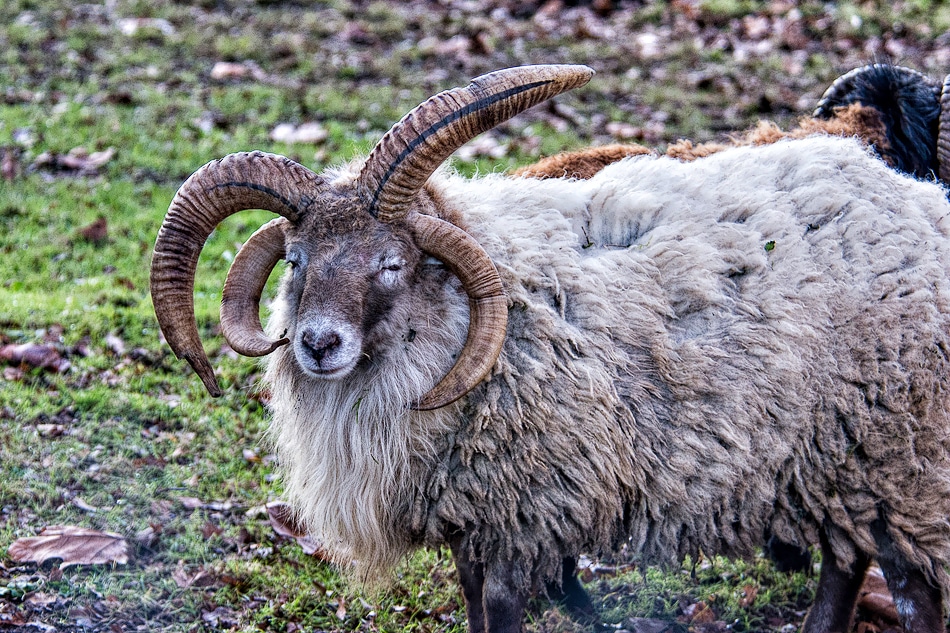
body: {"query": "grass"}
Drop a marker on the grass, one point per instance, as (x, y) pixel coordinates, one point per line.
(126, 436)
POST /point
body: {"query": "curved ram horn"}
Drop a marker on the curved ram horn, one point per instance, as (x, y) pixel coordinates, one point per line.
(837, 93)
(406, 156)
(488, 306)
(402, 162)
(250, 180)
(943, 134)
(241, 298)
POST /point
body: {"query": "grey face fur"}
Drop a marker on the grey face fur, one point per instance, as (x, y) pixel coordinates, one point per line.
(344, 288)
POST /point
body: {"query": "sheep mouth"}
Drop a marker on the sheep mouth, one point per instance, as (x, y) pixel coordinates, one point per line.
(327, 353)
(328, 373)
(325, 370)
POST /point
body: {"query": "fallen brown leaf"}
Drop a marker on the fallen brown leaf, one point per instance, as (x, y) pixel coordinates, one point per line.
(185, 578)
(749, 593)
(210, 529)
(78, 160)
(50, 430)
(875, 598)
(285, 522)
(32, 355)
(191, 503)
(9, 163)
(74, 545)
(12, 620)
(646, 625)
(41, 600)
(97, 232)
(221, 617)
(698, 613)
(83, 505)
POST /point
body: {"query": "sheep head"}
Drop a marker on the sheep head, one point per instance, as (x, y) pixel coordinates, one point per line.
(922, 98)
(354, 245)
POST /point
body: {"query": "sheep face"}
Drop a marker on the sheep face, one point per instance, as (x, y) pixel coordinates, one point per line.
(346, 278)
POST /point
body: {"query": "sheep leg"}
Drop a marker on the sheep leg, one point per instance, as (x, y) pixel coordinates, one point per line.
(472, 578)
(837, 593)
(787, 557)
(570, 593)
(504, 600)
(918, 602)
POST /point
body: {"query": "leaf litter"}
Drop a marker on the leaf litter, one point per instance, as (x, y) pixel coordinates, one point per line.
(446, 43)
(73, 545)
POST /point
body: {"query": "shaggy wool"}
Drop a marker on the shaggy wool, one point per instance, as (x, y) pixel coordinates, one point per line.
(697, 352)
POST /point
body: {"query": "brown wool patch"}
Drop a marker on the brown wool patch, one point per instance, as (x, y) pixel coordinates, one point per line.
(852, 121)
(581, 164)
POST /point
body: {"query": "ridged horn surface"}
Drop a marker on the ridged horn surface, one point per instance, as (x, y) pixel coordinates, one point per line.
(241, 298)
(488, 306)
(943, 133)
(248, 180)
(837, 92)
(406, 156)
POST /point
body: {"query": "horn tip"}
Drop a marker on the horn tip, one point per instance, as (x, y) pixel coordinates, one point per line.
(211, 385)
(429, 404)
(206, 373)
(573, 75)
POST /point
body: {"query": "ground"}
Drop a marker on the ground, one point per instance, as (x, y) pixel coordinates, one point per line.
(106, 108)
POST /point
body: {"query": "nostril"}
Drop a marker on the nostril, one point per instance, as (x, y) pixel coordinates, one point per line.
(320, 344)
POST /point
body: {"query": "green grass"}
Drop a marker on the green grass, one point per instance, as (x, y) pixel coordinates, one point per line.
(133, 431)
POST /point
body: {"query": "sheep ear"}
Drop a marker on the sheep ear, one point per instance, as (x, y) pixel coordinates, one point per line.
(943, 134)
(250, 180)
(406, 156)
(241, 299)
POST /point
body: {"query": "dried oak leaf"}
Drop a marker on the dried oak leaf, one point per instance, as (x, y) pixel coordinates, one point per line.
(194, 578)
(74, 545)
(97, 232)
(284, 521)
(749, 594)
(31, 355)
(697, 613)
(875, 598)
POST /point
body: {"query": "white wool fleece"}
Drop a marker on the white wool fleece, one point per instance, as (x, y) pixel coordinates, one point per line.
(696, 353)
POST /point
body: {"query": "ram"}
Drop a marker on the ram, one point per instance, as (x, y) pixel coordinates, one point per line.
(679, 357)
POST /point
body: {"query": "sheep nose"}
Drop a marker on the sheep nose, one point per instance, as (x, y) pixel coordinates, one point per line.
(318, 345)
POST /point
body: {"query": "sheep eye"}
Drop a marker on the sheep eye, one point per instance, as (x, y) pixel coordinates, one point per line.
(293, 260)
(389, 269)
(391, 263)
